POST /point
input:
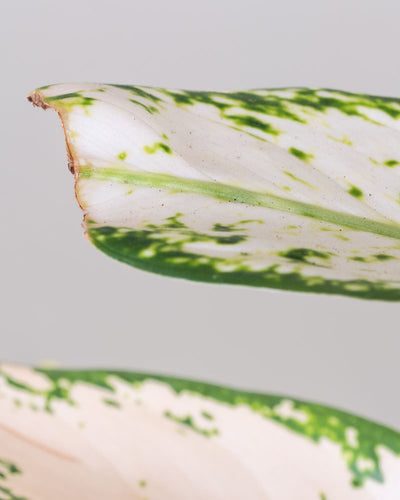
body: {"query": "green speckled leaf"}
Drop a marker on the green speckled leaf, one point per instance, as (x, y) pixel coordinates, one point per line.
(102, 435)
(294, 189)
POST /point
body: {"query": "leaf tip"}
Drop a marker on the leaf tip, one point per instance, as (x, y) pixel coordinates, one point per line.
(36, 98)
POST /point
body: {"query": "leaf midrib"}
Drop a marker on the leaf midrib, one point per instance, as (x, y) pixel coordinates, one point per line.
(235, 194)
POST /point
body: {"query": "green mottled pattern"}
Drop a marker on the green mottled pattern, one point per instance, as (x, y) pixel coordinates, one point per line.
(8, 469)
(321, 422)
(149, 251)
(188, 422)
(317, 167)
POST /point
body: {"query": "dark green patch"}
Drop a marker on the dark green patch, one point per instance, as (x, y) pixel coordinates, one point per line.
(7, 469)
(188, 422)
(383, 256)
(391, 163)
(223, 228)
(189, 236)
(174, 222)
(358, 258)
(149, 108)
(236, 226)
(154, 102)
(306, 255)
(298, 153)
(252, 122)
(157, 146)
(144, 92)
(207, 415)
(9, 495)
(355, 191)
(372, 258)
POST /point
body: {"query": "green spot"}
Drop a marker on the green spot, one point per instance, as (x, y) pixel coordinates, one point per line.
(391, 163)
(8, 469)
(355, 191)
(304, 255)
(372, 258)
(111, 402)
(236, 226)
(142, 483)
(383, 256)
(255, 123)
(188, 422)
(173, 222)
(223, 228)
(207, 415)
(301, 154)
(122, 155)
(157, 146)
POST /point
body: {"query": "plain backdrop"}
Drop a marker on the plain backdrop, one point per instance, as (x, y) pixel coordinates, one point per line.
(63, 300)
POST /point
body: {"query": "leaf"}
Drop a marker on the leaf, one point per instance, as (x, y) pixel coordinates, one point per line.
(110, 434)
(295, 189)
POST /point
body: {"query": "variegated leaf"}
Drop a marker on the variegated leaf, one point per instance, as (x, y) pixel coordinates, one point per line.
(87, 435)
(290, 188)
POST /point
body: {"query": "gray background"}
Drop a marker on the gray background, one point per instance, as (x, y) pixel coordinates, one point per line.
(63, 300)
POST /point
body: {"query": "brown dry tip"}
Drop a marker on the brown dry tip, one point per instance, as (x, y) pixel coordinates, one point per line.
(37, 100)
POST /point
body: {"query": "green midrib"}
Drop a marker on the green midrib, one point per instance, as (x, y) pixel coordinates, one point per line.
(235, 194)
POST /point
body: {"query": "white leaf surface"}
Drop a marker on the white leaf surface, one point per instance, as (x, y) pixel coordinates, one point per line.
(295, 189)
